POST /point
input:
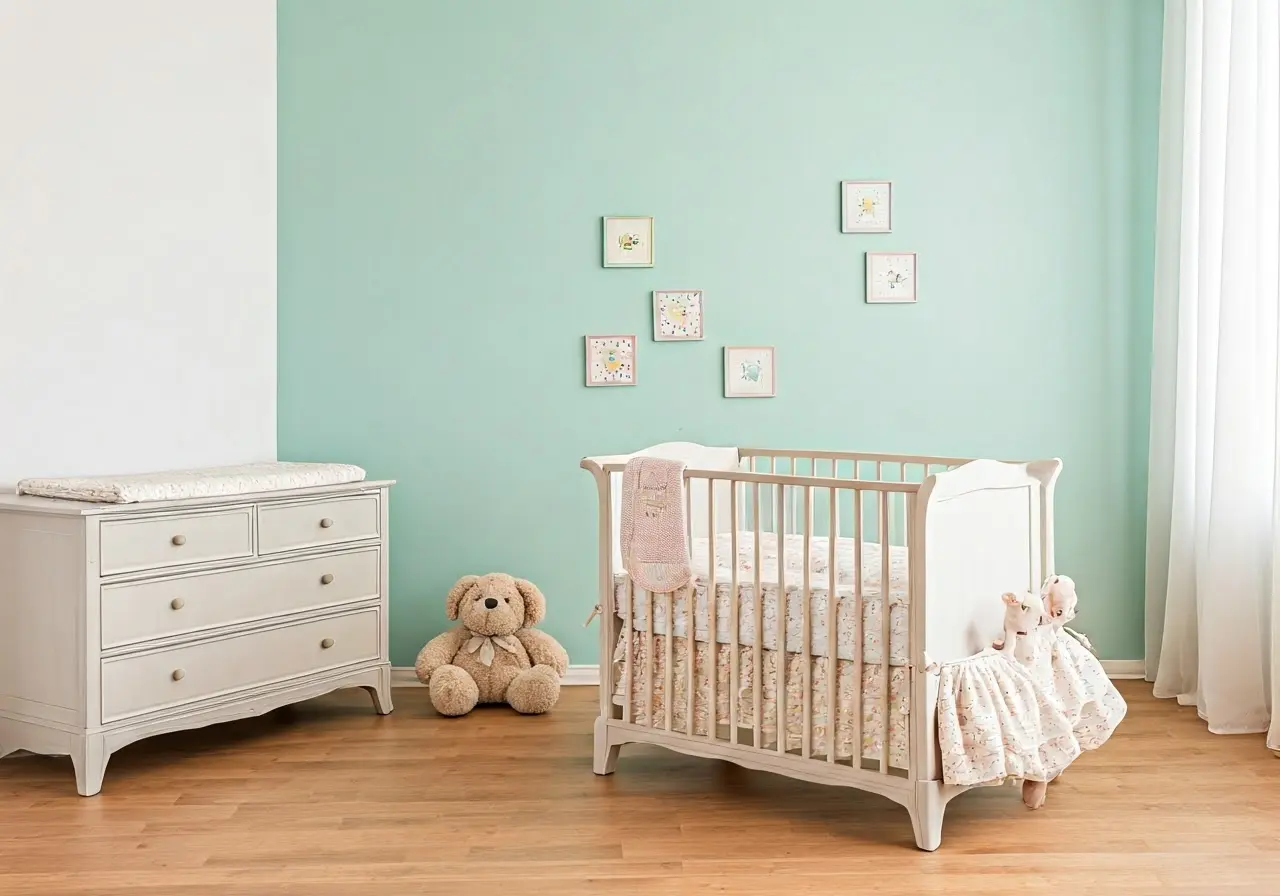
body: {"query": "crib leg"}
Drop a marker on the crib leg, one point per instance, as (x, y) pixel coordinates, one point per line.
(926, 814)
(606, 754)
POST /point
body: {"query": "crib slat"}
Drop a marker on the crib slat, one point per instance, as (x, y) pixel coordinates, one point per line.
(806, 620)
(757, 673)
(780, 644)
(691, 643)
(833, 665)
(857, 628)
(668, 695)
(713, 667)
(884, 630)
(648, 658)
(627, 670)
(733, 616)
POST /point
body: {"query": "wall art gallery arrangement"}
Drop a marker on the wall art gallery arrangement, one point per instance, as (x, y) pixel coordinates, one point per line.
(679, 315)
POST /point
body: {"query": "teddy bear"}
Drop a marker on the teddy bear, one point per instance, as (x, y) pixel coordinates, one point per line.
(495, 655)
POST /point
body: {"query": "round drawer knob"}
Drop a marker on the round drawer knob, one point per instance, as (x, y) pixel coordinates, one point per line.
(177, 603)
(179, 540)
(326, 579)
(178, 675)
(327, 643)
(326, 523)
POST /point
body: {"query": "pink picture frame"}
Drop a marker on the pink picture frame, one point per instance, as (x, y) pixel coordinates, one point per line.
(610, 359)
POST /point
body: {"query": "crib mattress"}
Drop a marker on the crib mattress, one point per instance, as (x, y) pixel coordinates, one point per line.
(872, 723)
(847, 609)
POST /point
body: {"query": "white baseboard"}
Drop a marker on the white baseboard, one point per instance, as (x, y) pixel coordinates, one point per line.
(1125, 668)
(404, 677)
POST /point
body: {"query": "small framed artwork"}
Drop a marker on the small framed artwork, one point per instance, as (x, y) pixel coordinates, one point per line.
(750, 371)
(677, 315)
(866, 206)
(891, 277)
(611, 360)
(628, 242)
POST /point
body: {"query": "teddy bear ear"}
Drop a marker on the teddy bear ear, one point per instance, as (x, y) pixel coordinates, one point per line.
(1009, 597)
(456, 593)
(535, 605)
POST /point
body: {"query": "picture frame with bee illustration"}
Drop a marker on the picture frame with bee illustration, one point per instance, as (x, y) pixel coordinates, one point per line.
(866, 206)
(628, 242)
(891, 278)
(750, 371)
(677, 315)
(611, 360)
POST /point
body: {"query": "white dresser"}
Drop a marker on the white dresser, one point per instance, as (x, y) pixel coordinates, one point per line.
(120, 621)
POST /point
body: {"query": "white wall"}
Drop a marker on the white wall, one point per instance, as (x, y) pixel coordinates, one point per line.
(137, 234)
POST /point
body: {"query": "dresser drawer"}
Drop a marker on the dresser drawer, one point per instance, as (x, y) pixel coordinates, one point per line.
(142, 611)
(146, 683)
(287, 527)
(179, 540)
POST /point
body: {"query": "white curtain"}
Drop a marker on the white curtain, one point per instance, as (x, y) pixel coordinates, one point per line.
(1213, 519)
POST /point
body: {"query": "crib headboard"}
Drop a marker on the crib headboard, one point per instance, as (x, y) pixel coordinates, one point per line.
(987, 528)
(695, 457)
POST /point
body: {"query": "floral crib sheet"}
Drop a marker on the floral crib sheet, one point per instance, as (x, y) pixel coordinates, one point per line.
(849, 587)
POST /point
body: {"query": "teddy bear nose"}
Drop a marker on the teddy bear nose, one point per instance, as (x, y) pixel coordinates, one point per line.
(490, 603)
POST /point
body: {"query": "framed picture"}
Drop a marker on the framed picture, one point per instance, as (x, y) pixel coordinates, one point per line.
(611, 360)
(628, 242)
(866, 206)
(677, 315)
(750, 371)
(891, 277)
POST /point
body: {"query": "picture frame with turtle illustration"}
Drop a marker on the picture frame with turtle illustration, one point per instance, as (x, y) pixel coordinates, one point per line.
(611, 360)
(628, 242)
(750, 371)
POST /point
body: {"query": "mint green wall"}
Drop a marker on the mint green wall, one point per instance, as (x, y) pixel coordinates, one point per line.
(444, 167)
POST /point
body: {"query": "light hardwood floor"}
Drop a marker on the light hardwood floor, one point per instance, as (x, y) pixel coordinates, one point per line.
(328, 799)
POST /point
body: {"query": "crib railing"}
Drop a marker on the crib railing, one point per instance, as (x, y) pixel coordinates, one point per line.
(845, 503)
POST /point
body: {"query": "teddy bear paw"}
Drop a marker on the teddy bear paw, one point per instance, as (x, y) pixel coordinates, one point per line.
(453, 691)
(534, 690)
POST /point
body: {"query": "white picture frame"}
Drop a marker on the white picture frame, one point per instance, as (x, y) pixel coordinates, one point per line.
(628, 241)
(678, 315)
(892, 278)
(866, 206)
(750, 371)
(610, 360)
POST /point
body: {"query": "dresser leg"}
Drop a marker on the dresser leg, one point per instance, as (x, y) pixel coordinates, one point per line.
(381, 694)
(89, 755)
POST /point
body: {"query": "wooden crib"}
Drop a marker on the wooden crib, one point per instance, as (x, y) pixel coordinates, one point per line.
(756, 663)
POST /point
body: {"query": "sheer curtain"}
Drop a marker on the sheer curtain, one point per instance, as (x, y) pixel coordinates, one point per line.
(1213, 519)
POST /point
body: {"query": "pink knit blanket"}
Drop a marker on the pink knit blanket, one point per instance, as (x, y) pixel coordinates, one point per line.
(654, 537)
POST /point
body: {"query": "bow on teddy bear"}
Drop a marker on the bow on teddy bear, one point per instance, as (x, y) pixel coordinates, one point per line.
(495, 655)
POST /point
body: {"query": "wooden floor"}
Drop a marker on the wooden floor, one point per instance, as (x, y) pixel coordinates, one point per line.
(327, 799)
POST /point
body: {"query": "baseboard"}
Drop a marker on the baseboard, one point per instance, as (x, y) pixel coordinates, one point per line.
(404, 676)
(1125, 668)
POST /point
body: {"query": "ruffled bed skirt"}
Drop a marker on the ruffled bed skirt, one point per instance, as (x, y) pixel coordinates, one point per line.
(1029, 717)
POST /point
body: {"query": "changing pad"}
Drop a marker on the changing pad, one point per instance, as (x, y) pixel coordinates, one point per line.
(177, 485)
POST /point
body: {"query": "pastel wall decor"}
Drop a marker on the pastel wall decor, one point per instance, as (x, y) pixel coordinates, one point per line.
(677, 315)
(628, 242)
(611, 360)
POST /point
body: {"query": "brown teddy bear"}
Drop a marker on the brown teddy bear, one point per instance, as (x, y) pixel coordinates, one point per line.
(494, 656)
